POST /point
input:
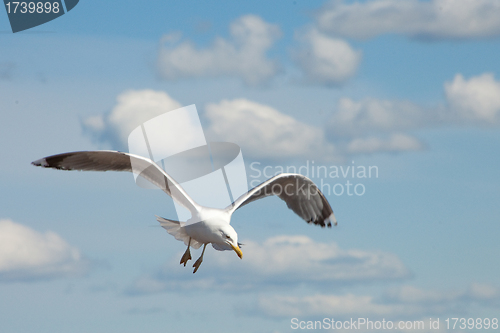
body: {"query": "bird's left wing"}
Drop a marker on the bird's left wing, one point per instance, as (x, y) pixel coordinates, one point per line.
(107, 160)
(300, 194)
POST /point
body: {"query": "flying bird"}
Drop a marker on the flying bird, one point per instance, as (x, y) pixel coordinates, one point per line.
(207, 225)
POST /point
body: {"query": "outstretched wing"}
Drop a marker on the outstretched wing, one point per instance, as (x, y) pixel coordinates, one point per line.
(107, 160)
(300, 194)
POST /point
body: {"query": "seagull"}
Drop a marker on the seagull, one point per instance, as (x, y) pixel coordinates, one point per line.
(207, 225)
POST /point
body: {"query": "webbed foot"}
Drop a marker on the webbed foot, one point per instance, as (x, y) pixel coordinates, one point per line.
(197, 264)
(185, 257)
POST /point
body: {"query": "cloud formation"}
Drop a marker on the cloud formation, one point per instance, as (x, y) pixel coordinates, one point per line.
(475, 100)
(325, 60)
(434, 19)
(261, 131)
(476, 292)
(364, 126)
(372, 125)
(264, 132)
(317, 305)
(278, 261)
(243, 56)
(373, 116)
(133, 108)
(403, 302)
(394, 143)
(27, 255)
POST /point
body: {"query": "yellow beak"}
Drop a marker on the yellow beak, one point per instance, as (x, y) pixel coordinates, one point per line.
(237, 250)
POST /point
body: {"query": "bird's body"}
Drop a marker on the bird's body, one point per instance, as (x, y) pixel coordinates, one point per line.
(203, 232)
(207, 225)
(204, 226)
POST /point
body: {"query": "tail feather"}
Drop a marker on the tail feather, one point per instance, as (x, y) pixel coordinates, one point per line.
(175, 229)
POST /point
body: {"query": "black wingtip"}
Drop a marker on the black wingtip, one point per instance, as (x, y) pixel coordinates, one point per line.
(41, 162)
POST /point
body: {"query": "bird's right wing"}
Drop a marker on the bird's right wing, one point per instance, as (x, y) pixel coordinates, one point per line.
(107, 160)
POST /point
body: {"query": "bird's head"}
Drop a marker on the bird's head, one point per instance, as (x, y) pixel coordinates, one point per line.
(230, 237)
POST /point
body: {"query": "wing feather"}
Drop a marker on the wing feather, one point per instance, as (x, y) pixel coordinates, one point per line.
(107, 160)
(300, 195)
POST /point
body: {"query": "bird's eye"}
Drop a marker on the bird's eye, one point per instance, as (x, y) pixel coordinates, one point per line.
(227, 236)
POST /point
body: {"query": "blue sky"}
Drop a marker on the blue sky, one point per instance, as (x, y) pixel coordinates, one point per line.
(411, 87)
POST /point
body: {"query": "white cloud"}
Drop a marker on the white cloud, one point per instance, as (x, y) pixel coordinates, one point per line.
(340, 306)
(243, 56)
(261, 131)
(411, 294)
(395, 143)
(474, 100)
(372, 125)
(476, 292)
(326, 60)
(264, 132)
(483, 292)
(356, 127)
(26, 254)
(300, 258)
(436, 19)
(373, 116)
(403, 302)
(133, 108)
(279, 261)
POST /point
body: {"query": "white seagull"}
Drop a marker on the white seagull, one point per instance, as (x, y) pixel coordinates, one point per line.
(207, 225)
